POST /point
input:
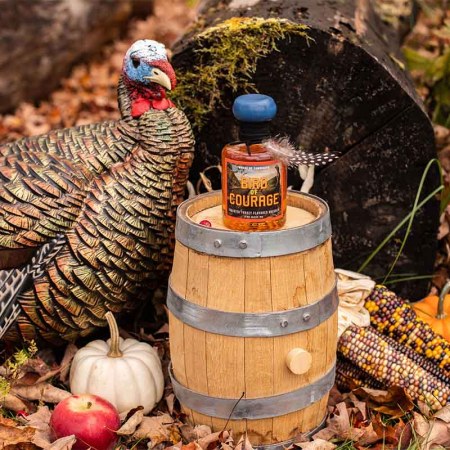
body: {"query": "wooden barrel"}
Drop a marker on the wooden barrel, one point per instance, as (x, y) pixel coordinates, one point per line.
(253, 321)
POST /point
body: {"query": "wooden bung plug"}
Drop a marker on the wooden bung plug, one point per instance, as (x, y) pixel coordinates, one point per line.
(299, 361)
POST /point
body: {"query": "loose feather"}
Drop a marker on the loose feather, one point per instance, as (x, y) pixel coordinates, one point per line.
(13, 282)
(282, 149)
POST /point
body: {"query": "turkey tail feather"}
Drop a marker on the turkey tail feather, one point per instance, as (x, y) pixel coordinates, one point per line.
(15, 281)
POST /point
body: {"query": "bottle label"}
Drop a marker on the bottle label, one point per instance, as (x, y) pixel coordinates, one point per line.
(253, 189)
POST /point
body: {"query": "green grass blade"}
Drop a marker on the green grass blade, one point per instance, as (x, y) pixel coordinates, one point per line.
(402, 280)
(411, 219)
(398, 227)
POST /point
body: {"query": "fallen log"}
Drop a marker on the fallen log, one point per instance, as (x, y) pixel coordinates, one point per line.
(335, 71)
(41, 40)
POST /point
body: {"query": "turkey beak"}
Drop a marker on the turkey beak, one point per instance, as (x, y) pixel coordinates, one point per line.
(158, 76)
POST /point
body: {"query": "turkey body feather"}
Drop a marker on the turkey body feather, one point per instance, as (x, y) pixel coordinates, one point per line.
(97, 147)
(111, 189)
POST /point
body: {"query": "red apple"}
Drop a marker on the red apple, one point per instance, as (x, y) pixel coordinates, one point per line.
(90, 418)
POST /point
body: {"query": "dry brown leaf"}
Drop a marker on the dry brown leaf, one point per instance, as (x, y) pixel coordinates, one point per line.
(49, 375)
(163, 329)
(370, 436)
(444, 226)
(219, 436)
(439, 434)
(361, 406)
(177, 446)
(225, 446)
(434, 431)
(170, 401)
(28, 378)
(394, 402)
(424, 408)
(201, 431)
(158, 429)
(443, 414)
(40, 421)
(13, 403)
(325, 434)
(190, 433)
(191, 446)
(129, 427)
(339, 421)
(11, 434)
(226, 437)
(244, 443)
(317, 444)
(65, 443)
(71, 349)
(187, 432)
(7, 422)
(42, 391)
(347, 423)
(404, 434)
(37, 365)
(421, 425)
(335, 397)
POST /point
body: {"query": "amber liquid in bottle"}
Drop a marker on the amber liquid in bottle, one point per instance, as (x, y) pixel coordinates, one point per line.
(253, 188)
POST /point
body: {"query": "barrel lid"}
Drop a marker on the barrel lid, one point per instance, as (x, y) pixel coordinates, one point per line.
(254, 108)
(237, 244)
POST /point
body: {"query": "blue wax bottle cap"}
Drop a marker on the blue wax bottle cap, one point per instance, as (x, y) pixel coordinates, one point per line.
(254, 108)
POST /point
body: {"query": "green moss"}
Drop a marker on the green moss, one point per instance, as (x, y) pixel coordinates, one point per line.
(226, 57)
(13, 366)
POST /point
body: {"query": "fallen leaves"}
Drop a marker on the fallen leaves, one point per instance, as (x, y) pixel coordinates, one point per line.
(317, 444)
(158, 429)
(394, 402)
(11, 434)
(434, 431)
(43, 391)
(89, 95)
(64, 443)
(366, 418)
(129, 427)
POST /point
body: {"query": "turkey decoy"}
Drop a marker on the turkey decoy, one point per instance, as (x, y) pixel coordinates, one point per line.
(87, 213)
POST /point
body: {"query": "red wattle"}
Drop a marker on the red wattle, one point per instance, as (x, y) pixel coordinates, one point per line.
(162, 104)
(142, 105)
(139, 107)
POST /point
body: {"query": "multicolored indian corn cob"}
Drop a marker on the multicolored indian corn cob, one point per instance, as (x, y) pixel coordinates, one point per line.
(346, 370)
(394, 317)
(369, 351)
(420, 360)
(348, 375)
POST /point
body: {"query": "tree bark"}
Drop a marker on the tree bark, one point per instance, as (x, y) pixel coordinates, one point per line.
(40, 40)
(344, 90)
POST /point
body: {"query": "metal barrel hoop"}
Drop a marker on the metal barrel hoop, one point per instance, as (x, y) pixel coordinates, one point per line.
(235, 244)
(254, 408)
(270, 324)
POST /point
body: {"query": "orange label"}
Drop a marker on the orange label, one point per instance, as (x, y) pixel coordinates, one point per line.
(253, 190)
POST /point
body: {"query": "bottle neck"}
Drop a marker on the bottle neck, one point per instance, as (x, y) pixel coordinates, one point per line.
(254, 132)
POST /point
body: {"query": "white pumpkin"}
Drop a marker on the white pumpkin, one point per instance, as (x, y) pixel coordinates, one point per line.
(126, 372)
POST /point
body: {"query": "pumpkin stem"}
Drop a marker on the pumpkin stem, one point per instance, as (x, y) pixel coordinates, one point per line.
(114, 350)
(440, 312)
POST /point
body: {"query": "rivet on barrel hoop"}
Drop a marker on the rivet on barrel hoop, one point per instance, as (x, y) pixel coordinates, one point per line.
(284, 323)
(306, 317)
(243, 244)
(217, 243)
